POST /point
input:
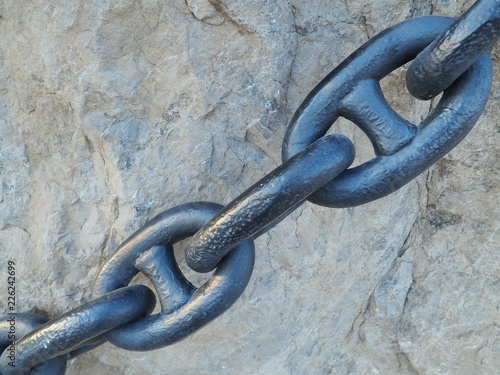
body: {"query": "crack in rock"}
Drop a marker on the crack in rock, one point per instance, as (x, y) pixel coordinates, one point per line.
(205, 11)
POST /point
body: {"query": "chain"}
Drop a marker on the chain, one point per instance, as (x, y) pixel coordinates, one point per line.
(449, 55)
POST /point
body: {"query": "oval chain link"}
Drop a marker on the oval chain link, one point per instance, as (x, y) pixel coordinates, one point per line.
(74, 328)
(23, 324)
(184, 309)
(403, 150)
(269, 200)
(455, 50)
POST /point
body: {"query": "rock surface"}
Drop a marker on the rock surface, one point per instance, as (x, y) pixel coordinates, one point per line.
(113, 111)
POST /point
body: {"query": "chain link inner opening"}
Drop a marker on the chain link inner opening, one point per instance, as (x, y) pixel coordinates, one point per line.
(397, 95)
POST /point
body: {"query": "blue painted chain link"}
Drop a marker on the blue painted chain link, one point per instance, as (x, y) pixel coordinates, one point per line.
(315, 167)
(455, 50)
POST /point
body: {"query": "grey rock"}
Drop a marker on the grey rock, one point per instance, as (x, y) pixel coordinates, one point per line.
(113, 111)
(390, 294)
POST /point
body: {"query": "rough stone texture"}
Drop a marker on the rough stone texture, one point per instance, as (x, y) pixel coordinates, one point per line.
(113, 111)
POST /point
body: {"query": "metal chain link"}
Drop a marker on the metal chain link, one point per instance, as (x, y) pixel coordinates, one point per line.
(314, 168)
(26, 323)
(184, 308)
(455, 50)
(269, 200)
(403, 150)
(54, 339)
